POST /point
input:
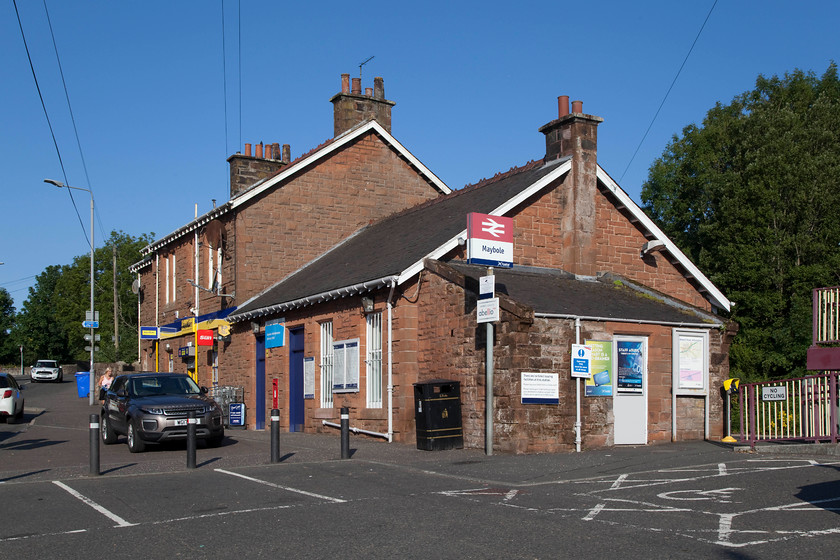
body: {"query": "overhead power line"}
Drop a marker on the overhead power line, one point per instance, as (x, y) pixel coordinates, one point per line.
(669, 91)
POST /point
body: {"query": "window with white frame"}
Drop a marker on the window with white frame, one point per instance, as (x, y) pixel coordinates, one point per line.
(214, 268)
(346, 366)
(326, 364)
(211, 268)
(166, 280)
(373, 360)
(217, 277)
(173, 279)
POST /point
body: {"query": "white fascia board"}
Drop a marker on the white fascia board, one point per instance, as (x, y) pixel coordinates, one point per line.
(508, 205)
(714, 294)
(184, 230)
(336, 293)
(339, 142)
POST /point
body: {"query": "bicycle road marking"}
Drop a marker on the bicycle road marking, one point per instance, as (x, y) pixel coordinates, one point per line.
(725, 533)
(287, 488)
(107, 513)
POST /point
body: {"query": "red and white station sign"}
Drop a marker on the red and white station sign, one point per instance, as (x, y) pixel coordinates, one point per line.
(489, 240)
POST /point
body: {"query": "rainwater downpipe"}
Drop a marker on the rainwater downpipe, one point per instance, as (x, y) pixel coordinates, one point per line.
(390, 306)
(577, 392)
(195, 289)
(157, 310)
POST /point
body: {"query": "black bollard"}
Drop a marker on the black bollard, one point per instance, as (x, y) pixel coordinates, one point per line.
(94, 444)
(345, 432)
(275, 435)
(191, 422)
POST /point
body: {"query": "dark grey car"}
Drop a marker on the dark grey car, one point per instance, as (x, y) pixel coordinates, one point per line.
(153, 407)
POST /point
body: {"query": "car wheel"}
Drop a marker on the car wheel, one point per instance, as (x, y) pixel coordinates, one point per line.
(19, 416)
(215, 441)
(109, 436)
(135, 444)
(33, 380)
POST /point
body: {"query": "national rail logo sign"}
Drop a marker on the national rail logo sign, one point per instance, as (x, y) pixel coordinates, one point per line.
(489, 240)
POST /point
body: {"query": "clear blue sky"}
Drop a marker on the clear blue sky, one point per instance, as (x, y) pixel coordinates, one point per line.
(472, 82)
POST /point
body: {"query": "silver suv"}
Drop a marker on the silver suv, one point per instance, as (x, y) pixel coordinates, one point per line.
(153, 407)
(46, 370)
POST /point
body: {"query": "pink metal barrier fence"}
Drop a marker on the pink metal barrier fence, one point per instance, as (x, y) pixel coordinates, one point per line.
(802, 409)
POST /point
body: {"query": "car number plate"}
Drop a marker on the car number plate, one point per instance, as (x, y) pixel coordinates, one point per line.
(184, 422)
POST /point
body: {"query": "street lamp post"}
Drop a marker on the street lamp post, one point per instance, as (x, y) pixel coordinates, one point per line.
(91, 375)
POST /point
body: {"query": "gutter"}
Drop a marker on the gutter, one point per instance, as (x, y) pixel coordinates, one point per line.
(713, 325)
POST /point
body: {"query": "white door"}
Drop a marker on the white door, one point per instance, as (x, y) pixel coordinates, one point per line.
(630, 386)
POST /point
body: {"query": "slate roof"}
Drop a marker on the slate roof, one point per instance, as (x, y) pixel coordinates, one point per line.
(555, 292)
(387, 248)
(384, 251)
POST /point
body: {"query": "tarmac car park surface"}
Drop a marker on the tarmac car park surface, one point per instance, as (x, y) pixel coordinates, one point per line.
(680, 500)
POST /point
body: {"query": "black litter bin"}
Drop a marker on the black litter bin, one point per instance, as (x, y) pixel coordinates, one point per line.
(437, 414)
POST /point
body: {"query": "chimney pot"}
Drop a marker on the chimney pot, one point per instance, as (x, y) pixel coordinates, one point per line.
(259, 153)
(275, 151)
(248, 150)
(357, 86)
(345, 83)
(577, 107)
(562, 106)
(369, 91)
(378, 88)
(287, 153)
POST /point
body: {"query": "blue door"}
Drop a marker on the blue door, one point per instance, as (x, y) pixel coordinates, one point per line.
(296, 407)
(259, 386)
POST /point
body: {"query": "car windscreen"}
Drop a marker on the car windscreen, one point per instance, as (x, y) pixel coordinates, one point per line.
(165, 385)
(44, 363)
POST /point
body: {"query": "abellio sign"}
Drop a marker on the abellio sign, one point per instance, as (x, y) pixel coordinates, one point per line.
(489, 240)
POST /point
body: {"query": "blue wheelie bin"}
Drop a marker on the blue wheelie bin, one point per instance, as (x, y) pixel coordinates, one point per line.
(83, 384)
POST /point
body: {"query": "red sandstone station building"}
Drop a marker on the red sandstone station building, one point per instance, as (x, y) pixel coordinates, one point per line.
(341, 279)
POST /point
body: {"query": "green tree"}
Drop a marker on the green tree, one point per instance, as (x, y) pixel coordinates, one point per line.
(50, 323)
(38, 328)
(752, 197)
(9, 353)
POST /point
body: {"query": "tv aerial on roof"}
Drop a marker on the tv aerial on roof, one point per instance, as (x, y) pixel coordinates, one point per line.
(363, 63)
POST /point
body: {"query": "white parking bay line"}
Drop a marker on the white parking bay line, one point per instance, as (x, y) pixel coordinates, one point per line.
(266, 483)
(110, 515)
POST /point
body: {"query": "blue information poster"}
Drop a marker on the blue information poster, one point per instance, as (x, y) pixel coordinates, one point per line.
(274, 333)
(630, 366)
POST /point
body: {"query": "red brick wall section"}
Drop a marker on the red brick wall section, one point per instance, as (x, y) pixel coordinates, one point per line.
(540, 240)
(451, 346)
(314, 211)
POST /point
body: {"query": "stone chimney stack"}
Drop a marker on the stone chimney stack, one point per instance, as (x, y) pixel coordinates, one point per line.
(575, 134)
(245, 170)
(351, 106)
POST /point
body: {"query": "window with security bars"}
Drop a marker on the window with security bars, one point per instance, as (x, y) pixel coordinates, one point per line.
(327, 357)
(373, 360)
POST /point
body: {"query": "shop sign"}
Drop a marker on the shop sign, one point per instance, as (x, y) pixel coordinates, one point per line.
(149, 333)
(205, 337)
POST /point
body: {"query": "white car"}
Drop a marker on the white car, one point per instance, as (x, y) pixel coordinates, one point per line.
(46, 370)
(11, 399)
